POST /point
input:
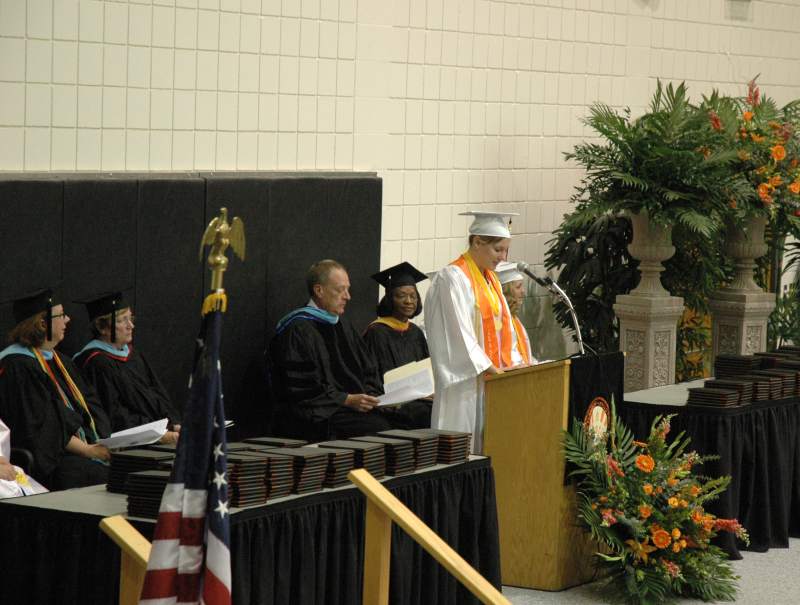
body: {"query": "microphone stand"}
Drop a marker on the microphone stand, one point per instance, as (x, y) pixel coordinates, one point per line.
(558, 291)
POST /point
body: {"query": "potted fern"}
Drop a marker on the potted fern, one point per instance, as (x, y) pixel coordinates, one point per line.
(667, 168)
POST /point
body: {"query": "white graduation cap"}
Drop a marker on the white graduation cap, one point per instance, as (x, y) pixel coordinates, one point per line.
(508, 272)
(493, 224)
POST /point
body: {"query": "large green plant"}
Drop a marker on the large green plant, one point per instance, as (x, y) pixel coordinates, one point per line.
(670, 162)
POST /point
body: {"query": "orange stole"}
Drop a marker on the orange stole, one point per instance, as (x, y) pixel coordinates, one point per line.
(522, 342)
(463, 262)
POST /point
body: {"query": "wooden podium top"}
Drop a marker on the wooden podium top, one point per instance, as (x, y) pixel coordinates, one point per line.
(539, 367)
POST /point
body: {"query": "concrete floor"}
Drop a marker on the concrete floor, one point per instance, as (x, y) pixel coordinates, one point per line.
(771, 578)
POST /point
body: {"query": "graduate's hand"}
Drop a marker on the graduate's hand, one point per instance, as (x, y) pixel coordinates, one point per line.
(361, 402)
(169, 437)
(176, 428)
(7, 471)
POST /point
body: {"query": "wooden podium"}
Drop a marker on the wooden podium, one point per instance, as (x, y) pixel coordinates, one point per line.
(541, 545)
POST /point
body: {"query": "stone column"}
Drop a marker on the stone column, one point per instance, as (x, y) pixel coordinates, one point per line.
(648, 316)
(740, 311)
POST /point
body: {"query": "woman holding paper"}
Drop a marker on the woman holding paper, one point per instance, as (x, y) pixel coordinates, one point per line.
(44, 401)
(125, 381)
(469, 327)
(393, 339)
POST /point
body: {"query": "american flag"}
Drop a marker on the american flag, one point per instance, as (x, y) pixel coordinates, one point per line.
(190, 557)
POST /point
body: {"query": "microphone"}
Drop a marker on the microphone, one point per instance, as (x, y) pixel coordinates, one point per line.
(555, 289)
(526, 269)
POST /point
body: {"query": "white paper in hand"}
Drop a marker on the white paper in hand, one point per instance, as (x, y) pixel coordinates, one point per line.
(406, 383)
(138, 435)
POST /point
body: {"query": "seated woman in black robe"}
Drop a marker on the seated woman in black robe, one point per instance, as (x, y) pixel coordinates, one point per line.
(128, 387)
(46, 404)
(393, 340)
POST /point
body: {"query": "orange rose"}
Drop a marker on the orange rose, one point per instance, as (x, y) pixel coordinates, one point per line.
(795, 187)
(747, 115)
(645, 511)
(673, 502)
(694, 491)
(645, 463)
(684, 503)
(676, 547)
(672, 481)
(676, 533)
(776, 181)
(763, 191)
(757, 138)
(647, 489)
(697, 516)
(661, 538)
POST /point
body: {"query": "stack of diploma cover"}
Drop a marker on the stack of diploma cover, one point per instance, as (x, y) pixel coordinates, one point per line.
(130, 461)
(365, 455)
(340, 462)
(247, 479)
(426, 444)
(454, 446)
(309, 466)
(399, 454)
(145, 489)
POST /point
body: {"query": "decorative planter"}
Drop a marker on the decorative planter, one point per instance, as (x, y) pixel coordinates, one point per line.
(651, 246)
(648, 316)
(744, 246)
(741, 310)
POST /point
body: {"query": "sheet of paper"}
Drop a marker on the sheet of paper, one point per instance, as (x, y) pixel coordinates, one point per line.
(408, 382)
(138, 435)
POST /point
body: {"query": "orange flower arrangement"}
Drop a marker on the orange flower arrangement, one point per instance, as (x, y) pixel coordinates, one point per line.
(647, 510)
(767, 148)
(645, 463)
(661, 538)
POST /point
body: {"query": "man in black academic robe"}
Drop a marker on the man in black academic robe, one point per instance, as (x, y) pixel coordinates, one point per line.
(325, 383)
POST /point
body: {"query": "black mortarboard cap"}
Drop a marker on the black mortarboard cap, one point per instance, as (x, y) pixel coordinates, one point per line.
(35, 302)
(105, 304)
(404, 274)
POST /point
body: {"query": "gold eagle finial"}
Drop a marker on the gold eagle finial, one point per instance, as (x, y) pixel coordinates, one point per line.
(219, 235)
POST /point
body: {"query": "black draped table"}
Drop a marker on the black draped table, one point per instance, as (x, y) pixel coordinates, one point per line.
(296, 550)
(758, 446)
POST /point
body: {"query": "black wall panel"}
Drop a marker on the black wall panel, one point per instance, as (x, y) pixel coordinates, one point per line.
(99, 251)
(312, 219)
(170, 219)
(30, 232)
(141, 233)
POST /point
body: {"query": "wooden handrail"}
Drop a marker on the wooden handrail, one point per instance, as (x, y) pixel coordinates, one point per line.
(135, 553)
(382, 509)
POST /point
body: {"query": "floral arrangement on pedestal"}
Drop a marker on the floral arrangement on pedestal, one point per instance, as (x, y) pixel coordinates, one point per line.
(645, 506)
(767, 145)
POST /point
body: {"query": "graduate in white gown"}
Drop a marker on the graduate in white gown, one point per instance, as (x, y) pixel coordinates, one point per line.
(513, 283)
(469, 327)
(13, 480)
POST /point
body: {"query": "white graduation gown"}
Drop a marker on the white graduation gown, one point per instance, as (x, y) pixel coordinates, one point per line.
(12, 489)
(455, 340)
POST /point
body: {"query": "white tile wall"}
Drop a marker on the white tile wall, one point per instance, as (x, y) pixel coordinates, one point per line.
(456, 103)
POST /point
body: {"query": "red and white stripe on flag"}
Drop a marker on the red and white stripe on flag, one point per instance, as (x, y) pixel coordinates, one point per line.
(175, 568)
